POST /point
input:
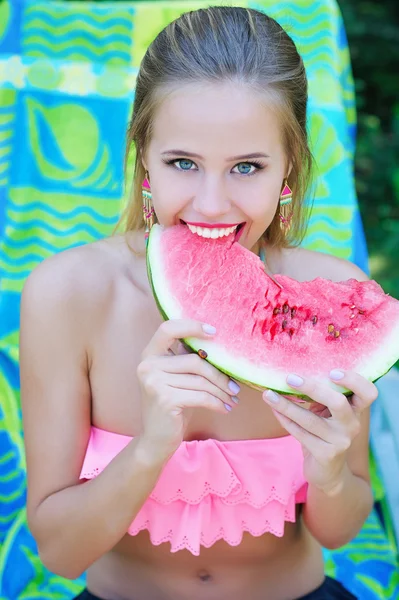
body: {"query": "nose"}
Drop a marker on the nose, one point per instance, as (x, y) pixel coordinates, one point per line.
(211, 199)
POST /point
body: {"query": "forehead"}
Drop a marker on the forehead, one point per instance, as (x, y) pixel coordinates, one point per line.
(215, 116)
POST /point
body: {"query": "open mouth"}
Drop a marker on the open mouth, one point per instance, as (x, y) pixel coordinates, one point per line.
(216, 232)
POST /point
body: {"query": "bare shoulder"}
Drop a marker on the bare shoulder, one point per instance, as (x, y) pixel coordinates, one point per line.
(81, 276)
(305, 265)
(64, 302)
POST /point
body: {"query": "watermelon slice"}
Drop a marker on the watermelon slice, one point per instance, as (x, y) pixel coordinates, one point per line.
(265, 329)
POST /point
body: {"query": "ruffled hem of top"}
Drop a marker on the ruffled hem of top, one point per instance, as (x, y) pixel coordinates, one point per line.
(211, 490)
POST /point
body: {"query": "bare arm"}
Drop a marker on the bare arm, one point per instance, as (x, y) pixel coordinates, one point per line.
(335, 511)
(73, 522)
(334, 520)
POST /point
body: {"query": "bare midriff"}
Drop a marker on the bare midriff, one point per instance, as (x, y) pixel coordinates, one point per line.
(264, 568)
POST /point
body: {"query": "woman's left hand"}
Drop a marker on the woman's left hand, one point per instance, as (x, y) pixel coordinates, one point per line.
(326, 430)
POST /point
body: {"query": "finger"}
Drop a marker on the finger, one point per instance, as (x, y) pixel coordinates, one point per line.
(198, 383)
(336, 402)
(311, 442)
(364, 391)
(193, 364)
(302, 417)
(173, 330)
(200, 399)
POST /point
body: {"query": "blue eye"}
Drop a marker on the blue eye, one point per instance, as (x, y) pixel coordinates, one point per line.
(184, 164)
(244, 168)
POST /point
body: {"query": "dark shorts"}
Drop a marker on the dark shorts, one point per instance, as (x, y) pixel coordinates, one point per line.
(329, 590)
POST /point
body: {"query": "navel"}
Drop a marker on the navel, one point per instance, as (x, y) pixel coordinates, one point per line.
(204, 576)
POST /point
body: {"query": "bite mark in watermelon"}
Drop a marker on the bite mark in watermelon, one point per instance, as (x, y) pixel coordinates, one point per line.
(264, 331)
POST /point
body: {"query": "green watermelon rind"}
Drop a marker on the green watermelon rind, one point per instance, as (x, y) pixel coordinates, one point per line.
(196, 344)
(218, 355)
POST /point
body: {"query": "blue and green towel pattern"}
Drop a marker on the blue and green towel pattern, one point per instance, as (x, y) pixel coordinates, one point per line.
(67, 75)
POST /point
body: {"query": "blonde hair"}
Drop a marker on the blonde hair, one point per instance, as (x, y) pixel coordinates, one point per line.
(226, 44)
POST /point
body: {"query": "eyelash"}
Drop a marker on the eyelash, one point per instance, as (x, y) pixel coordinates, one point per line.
(254, 163)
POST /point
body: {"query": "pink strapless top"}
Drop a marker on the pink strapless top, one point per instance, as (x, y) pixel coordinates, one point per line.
(211, 490)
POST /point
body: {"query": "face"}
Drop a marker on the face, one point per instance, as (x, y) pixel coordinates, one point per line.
(216, 158)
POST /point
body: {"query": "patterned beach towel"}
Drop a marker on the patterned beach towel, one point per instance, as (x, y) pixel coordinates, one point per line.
(67, 76)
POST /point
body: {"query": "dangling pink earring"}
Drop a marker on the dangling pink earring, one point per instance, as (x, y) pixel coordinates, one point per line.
(148, 209)
(285, 209)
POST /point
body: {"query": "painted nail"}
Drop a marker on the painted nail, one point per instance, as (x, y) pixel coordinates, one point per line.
(235, 399)
(294, 380)
(234, 387)
(272, 396)
(209, 329)
(336, 374)
(227, 407)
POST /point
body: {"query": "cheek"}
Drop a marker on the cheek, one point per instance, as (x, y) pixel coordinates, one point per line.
(168, 201)
(259, 200)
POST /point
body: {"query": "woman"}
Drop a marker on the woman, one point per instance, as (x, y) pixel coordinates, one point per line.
(121, 425)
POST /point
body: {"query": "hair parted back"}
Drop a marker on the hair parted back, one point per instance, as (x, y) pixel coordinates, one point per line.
(226, 44)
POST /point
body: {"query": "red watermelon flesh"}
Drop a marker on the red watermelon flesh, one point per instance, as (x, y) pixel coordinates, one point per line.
(265, 331)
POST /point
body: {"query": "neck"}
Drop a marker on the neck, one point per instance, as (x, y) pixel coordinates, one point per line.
(260, 249)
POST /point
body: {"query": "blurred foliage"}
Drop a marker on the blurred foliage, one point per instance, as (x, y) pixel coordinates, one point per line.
(373, 35)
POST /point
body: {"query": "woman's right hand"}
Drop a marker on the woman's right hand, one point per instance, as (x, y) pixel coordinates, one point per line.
(173, 385)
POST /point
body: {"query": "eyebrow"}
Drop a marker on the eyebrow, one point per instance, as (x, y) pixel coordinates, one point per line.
(177, 151)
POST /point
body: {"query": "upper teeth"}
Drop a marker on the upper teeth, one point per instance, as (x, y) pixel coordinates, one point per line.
(213, 233)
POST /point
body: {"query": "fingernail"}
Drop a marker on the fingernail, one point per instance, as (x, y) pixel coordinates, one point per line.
(209, 329)
(272, 396)
(234, 387)
(294, 380)
(227, 407)
(336, 374)
(235, 399)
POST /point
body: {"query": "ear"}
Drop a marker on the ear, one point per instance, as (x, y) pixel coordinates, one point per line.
(142, 159)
